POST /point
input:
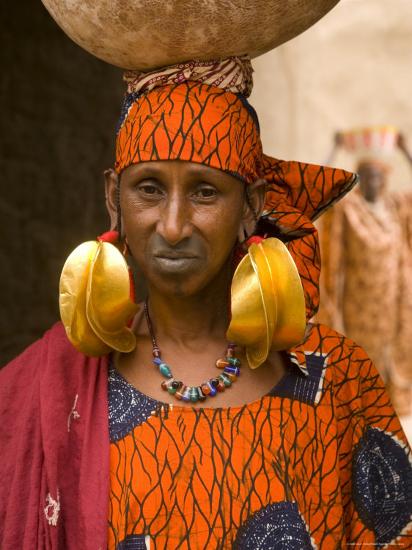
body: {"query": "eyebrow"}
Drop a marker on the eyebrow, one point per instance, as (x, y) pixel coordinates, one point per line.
(144, 169)
(148, 169)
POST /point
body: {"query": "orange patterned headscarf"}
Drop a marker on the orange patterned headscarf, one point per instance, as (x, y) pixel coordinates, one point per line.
(198, 112)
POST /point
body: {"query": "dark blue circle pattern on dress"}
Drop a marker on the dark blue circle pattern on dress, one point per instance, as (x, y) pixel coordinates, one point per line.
(128, 407)
(133, 542)
(278, 526)
(382, 485)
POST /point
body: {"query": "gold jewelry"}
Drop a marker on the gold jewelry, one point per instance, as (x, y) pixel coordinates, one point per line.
(95, 298)
(267, 302)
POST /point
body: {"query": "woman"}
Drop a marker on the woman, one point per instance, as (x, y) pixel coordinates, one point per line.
(304, 452)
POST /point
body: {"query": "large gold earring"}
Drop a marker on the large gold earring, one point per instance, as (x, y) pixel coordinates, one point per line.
(267, 302)
(95, 298)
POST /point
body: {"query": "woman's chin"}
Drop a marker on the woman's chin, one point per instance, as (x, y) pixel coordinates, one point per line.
(185, 277)
(176, 282)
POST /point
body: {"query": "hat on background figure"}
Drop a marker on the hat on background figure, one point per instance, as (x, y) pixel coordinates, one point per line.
(371, 145)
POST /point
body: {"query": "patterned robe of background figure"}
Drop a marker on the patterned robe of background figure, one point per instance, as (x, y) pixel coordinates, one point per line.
(366, 283)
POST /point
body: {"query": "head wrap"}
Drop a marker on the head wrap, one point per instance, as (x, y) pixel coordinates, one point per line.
(169, 115)
(198, 112)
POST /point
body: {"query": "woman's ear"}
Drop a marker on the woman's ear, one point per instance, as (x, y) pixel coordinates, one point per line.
(112, 190)
(253, 207)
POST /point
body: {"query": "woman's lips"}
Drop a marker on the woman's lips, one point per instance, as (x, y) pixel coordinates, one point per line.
(175, 263)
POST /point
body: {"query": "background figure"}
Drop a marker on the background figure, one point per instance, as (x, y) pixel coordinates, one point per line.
(366, 244)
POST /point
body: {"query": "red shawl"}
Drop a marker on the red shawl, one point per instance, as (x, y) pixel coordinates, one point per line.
(56, 400)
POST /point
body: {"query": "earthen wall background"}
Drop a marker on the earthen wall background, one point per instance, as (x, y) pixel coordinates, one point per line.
(352, 69)
(59, 108)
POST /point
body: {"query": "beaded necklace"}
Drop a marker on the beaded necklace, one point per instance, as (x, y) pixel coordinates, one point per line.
(230, 366)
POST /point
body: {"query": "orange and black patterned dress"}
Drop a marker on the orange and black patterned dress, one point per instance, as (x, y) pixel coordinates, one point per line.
(319, 462)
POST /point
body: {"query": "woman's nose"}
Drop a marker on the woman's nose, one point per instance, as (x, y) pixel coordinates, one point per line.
(174, 223)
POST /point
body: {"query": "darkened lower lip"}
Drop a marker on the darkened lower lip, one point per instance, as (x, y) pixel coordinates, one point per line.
(175, 265)
(175, 257)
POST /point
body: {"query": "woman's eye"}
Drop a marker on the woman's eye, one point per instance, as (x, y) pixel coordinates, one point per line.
(206, 192)
(149, 189)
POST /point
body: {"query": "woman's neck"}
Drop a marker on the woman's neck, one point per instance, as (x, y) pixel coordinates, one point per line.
(186, 319)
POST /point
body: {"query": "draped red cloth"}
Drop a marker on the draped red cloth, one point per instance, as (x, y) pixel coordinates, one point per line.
(54, 445)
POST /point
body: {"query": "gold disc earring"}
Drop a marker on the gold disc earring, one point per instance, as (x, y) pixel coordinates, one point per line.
(267, 301)
(96, 297)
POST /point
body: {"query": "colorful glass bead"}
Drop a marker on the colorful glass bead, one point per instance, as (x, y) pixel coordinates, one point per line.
(186, 394)
(205, 389)
(221, 386)
(231, 376)
(234, 361)
(180, 392)
(157, 361)
(222, 363)
(171, 385)
(231, 351)
(194, 396)
(232, 370)
(165, 370)
(213, 390)
(200, 394)
(225, 379)
(166, 384)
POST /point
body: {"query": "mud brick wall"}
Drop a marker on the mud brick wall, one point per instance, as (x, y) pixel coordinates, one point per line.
(59, 108)
(351, 69)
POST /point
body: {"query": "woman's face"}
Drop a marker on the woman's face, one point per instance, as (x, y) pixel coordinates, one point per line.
(181, 220)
